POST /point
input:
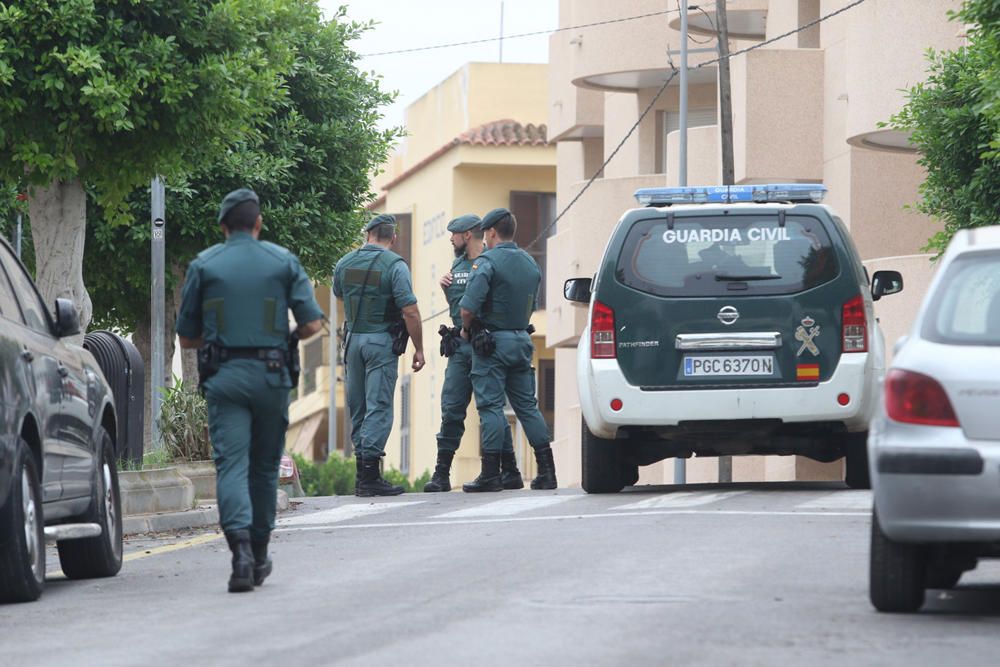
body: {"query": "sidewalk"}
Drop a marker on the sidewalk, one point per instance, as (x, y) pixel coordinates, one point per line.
(206, 515)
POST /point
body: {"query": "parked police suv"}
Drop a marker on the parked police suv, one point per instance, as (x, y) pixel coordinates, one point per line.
(726, 321)
(58, 480)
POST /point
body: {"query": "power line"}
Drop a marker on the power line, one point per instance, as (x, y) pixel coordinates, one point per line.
(544, 233)
(487, 40)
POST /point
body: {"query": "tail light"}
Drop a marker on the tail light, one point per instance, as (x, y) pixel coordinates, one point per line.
(854, 328)
(914, 398)
(602, 332)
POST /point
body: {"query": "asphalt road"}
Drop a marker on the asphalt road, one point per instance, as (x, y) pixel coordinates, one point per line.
(700, 575)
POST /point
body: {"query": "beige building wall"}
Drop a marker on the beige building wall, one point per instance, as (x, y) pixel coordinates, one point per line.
(805, 108)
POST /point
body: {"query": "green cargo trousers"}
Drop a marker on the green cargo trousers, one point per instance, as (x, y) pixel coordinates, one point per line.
(247, 420)
(372, 370)
(507, 371)
(456, 393)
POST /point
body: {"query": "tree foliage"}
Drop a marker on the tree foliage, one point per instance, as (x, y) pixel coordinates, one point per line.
(954, 120)
(309, 160)
(114, 91)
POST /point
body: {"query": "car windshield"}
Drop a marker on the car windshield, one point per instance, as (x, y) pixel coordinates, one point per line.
(965, 309)
(727, 255)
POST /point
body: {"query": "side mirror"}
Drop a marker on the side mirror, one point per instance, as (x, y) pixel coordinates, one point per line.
(577, 290)
(67, 319)
(886, 282)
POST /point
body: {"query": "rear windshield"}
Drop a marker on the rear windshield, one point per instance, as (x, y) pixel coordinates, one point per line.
(965, 310)
(727, 255)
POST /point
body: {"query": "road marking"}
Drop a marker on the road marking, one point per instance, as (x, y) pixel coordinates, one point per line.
(564, 517)
(840, 500)
(176, 546)
(343, 513)
(507, 507)
(679, 499)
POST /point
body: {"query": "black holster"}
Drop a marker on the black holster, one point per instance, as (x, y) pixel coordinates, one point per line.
(292, 360)
(209, 361)
(450, 340)
(483, 342)
(400, 336)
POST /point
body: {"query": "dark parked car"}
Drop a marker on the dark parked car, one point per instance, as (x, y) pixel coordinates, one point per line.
(58, 478)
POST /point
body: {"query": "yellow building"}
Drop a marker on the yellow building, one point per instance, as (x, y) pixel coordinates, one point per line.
(475, 142)
(806, 107)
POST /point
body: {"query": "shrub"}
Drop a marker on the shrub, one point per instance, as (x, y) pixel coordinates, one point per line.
(336, 476)
(184, 423)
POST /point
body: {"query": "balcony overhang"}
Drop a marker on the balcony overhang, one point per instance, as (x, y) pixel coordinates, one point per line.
(891, 141)
(748, 23)
(632, 80)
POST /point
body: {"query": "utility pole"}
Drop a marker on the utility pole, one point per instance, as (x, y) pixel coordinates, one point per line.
(19, 230)
(726, 131)
(157, 243)
(680, 465)
(501, 31)
(331, 415)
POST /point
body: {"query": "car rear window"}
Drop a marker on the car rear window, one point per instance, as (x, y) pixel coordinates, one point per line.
(727, 255)
(965, 309)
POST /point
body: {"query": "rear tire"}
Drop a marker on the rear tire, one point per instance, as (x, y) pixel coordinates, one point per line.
(99, 556)
(22, 556)
(857, 475)
(602, 463)
(896, 580)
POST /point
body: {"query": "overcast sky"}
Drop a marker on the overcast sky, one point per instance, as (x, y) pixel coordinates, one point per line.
(404, 24)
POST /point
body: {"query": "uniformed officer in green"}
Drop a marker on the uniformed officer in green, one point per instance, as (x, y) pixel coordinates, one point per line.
(496, 308)
(374, 283)
(234, 306)
(467, 242)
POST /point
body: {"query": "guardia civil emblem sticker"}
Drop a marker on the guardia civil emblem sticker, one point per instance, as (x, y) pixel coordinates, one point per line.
(805, 334)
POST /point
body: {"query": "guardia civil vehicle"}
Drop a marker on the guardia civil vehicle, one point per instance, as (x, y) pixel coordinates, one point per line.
(728, 320)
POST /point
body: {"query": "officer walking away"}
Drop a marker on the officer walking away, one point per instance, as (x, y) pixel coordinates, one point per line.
(234, 307)
(456, 393)
(380, 314)
(496, 309)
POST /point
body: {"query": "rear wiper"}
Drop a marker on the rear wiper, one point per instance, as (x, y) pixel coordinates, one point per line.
(720, 277)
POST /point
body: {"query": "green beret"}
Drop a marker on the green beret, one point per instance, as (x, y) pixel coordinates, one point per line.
(380, 219)
(464, 223)
(493, 217)
(234, 199)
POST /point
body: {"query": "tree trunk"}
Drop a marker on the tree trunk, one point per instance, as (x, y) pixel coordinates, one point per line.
(58, 228)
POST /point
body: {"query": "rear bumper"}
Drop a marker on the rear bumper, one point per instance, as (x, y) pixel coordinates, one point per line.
(601, 380)
(931, 484)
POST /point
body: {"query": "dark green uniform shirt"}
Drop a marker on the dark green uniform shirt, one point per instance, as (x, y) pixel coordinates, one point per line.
(502, 288)
(388, 290)
(238, 293)
(460, 269)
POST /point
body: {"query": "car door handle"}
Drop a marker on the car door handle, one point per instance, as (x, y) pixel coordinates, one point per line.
(63, 371)
(28, 356)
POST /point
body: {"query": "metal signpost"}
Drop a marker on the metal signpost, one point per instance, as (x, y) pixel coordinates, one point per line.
(157, 243)
(680, 465)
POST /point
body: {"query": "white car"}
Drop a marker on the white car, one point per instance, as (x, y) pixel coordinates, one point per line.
(934, 447)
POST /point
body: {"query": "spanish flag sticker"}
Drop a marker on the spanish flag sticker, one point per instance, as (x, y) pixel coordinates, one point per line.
(807, 371)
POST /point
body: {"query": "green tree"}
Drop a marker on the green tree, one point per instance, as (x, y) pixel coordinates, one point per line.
(107, 93)
(954, 121)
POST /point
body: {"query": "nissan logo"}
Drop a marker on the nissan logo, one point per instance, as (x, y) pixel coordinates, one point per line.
(728, 315)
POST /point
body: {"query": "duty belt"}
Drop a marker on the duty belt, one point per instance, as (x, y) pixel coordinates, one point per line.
(259, 353)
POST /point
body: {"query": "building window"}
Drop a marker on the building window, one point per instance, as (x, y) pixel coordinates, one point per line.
(404, 236)
(547, 391)
(313, 357)
(670, 121)
(404, 425)
(534, 212)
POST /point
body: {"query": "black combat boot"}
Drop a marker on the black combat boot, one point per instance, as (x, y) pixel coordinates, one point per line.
(440, 481)
(510, 476)
(371, 482)
(262, 565)
(489, 477)
(546, 478)
(242, 578)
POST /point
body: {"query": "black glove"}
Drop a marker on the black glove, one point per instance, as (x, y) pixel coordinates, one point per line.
(483, 343)
(449, 340)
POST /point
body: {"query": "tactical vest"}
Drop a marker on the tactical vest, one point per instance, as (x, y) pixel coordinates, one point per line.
(511, 299)
(459, 279)
(378, 309)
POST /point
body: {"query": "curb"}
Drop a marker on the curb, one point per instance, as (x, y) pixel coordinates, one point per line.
(201, 517)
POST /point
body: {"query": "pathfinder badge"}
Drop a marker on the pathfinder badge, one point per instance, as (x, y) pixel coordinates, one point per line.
(805, 334)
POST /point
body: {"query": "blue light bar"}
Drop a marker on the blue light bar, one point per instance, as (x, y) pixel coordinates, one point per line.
(727, 194)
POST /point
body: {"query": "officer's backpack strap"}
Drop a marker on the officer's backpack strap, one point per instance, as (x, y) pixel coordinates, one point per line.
(361, 303)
